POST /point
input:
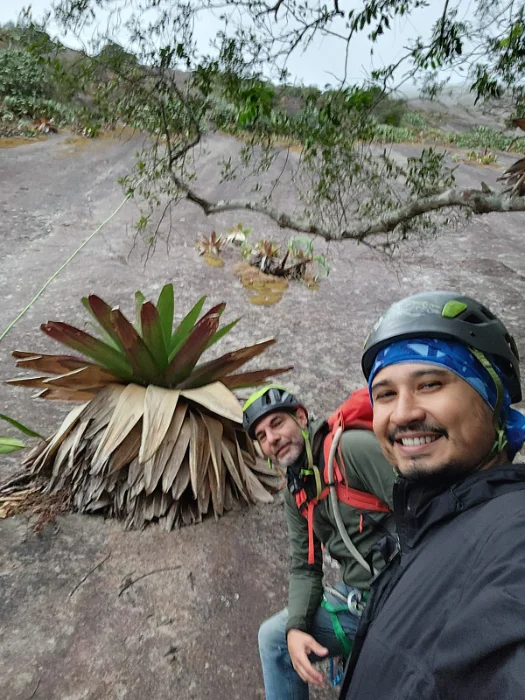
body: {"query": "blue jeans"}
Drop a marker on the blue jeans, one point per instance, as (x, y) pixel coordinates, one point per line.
(281, 682)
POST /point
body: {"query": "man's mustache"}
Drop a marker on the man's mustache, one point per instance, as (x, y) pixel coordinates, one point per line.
(416, 427)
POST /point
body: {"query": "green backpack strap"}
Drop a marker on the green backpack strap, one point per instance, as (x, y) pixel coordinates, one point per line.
(344, 642)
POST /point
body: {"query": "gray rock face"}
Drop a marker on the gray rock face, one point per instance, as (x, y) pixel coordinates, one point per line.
(187, 632)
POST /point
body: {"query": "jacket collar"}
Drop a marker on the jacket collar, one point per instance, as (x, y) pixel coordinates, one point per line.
(419, 507)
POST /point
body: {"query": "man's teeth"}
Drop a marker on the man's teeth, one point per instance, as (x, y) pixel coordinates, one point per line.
(411, 442)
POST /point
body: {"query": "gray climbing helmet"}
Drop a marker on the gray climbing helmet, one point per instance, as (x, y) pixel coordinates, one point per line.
(448, 316)
(264, 401)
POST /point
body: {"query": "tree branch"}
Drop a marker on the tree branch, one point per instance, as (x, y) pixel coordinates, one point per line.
(477, 201)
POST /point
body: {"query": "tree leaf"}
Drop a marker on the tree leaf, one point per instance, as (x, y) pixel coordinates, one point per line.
(165, 308)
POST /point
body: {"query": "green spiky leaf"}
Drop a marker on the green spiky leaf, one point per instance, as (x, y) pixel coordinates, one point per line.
(215, 370)
(20, 426)
(92, 347)
(244, 380)
(8, 445)
(184, 328)
(137, 353)
(190, 351)
(222, 332)
(102, 313)
(139, 300)
(165, 307)
(153, 335)
(96, 326)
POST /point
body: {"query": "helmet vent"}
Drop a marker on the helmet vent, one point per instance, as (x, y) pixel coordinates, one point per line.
(487, 313)
(474, 319)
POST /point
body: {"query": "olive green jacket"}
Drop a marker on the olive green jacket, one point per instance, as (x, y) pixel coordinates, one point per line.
(366, 470)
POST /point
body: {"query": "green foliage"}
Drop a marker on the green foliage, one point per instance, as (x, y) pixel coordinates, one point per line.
(22, 75)
(302, 249)
(168, 87)
(414, 120)
(480, 137)
(10, 444)
(427, 173)
(484, 137)
(149, 351)
(35, 107)
(482, 158)
(238, 234)
(114, 55)
(390, 112)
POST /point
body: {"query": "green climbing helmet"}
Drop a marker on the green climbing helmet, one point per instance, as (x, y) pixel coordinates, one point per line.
(264, 401)
(447, 316)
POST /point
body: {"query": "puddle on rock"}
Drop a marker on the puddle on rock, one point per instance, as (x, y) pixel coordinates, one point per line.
(14, 141)
(213, 260)
(264, 290)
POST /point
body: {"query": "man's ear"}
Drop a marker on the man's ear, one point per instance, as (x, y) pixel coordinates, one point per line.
(302, 417)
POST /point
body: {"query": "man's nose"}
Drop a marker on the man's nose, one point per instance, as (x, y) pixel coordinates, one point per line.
(272, 437)
(407, 409)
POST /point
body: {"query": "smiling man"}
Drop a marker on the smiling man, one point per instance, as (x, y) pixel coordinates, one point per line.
(446, 619)
(319, 623)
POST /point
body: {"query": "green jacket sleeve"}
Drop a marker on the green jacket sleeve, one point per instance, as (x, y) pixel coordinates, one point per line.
(367, 469)
(306, 581)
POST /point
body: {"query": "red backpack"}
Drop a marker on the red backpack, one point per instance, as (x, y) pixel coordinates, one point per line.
(354, 414)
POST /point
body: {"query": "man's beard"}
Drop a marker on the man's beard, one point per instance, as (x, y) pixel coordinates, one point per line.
(438, 475)
(294, 452)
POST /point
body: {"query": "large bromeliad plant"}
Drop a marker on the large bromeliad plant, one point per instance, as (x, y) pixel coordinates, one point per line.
(157, 434)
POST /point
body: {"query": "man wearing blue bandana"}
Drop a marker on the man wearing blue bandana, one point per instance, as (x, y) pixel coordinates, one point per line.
(446, 618)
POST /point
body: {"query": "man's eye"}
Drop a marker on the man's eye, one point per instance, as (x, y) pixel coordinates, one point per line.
(431, 385)
(382, 395)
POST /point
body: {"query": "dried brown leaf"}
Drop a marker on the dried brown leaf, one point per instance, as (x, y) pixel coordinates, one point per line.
(217, 399)
(128, 411)
(159, 407)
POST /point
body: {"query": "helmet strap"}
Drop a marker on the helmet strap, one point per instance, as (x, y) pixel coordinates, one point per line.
(310, 468)
(501, 440)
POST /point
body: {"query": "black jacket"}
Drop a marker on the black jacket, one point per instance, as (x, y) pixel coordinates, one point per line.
(446, 619)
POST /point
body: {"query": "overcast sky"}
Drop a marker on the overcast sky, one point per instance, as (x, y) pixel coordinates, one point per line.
(320, 60)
